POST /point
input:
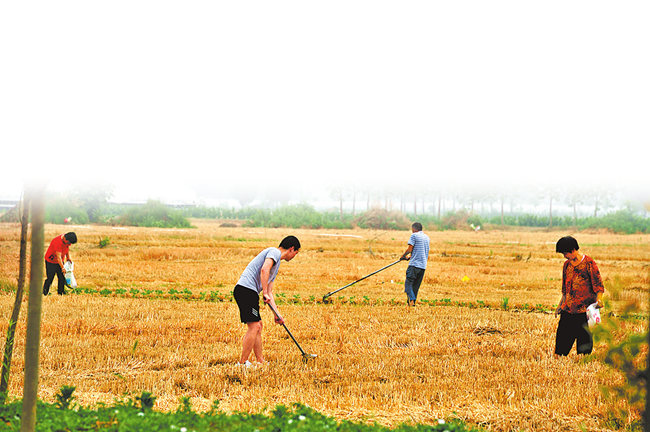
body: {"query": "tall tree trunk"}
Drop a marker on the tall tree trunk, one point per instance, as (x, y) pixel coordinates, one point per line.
(550, 213)
(502, 221)
(33, 337)
(11, 331)
(439, 206)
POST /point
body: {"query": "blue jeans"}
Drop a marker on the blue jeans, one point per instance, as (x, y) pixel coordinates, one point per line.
(413, 281)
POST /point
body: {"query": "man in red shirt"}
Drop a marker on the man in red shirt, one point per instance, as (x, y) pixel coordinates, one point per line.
(57, 253)
(582, 286)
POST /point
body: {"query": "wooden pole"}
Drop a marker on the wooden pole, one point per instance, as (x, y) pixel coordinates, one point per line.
(33, 337)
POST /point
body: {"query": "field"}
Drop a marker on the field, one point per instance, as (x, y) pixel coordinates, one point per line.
(154, 314)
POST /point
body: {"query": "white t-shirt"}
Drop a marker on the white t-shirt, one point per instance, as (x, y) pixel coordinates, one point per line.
(250, 278)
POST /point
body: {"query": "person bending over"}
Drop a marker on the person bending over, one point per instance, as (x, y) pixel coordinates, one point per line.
(56, 255)
(258, 278)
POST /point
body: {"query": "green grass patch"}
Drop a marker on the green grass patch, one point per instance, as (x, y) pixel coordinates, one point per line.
(137, 414)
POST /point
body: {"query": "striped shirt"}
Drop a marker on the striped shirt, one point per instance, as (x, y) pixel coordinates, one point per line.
(420, 253)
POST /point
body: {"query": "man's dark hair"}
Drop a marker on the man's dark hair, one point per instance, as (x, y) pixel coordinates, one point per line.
(71, 237)
(566, 244)
(289, 242)
(417, 226)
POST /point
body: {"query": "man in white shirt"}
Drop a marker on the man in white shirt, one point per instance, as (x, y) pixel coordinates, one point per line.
(258, 277)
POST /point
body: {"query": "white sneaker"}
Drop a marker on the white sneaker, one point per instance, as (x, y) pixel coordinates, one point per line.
(247, 364)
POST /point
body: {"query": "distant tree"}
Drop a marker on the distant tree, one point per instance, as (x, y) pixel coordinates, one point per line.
(602, 200)
(244, 194)
(574, 198)
(549, 193)
(92, 199)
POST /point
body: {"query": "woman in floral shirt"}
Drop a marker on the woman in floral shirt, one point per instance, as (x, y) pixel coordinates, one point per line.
(581, 287)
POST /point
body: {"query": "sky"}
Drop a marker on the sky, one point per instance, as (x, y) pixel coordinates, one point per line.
(189, 101)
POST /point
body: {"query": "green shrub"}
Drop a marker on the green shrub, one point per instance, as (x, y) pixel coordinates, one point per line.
(59, 209)
(64, 397)
(457, 220)
(153, 214)
(378, 218)
(137, 415)
(622, 221)
(627, 354)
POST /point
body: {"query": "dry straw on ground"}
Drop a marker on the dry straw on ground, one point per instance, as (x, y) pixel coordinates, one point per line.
(381, 361)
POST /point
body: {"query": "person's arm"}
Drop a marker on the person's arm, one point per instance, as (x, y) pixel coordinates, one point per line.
(563, 299)
(267, 287)
(597, 283)
(278, 317)
(59, 259)
(409, 249)
(559, 306)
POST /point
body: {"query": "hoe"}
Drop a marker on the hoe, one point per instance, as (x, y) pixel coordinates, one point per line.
(358, 280)
(305, 356)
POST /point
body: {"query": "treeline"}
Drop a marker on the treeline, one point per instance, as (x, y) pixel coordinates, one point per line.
(66, 210)
(156, 214)
(623, 221)
(304, 216)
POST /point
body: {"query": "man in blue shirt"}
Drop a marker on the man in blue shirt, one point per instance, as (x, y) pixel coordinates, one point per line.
(418, 249)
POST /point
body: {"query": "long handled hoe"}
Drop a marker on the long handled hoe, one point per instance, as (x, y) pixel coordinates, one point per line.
(305, 356)
(358, 280)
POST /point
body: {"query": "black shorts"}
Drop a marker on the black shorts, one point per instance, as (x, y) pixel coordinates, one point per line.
(249, 304)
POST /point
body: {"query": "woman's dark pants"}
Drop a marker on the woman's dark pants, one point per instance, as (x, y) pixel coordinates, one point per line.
(573, 327)
(51, 270)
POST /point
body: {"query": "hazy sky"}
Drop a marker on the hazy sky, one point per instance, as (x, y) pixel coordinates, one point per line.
(157, 97)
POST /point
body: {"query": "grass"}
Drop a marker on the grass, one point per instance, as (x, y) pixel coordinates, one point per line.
(460, 353)
(136, 414)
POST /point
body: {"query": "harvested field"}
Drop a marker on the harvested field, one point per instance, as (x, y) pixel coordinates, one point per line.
(150, 325)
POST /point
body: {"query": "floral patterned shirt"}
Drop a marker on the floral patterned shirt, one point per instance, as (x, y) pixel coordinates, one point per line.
(580, 285)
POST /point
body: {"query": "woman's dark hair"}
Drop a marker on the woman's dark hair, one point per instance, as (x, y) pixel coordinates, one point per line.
(289, 242)
(71, 237)
(566, 244)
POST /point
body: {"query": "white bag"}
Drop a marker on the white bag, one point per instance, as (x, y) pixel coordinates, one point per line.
(593, 315)
(69, 275)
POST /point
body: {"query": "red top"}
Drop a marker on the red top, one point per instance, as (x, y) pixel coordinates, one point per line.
(56, 245)
(580, 285)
